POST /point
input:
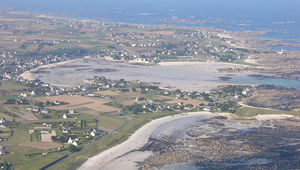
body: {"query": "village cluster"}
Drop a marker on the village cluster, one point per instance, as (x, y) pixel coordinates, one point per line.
(163, 100)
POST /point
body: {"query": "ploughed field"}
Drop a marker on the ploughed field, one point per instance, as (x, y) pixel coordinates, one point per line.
(76, 102)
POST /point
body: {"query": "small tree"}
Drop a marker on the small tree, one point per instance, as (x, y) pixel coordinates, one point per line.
(72, 148)
(11, 101)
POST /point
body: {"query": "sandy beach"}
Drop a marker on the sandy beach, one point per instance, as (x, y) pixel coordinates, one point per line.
(136, 141)
(29, 76)
(273, 117)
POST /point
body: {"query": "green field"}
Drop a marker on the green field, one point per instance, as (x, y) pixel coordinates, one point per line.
(9, 90)
(135, 123)
(17, 154)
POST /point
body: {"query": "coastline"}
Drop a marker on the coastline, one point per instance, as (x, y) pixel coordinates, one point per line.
(135, 141)
(176, 63)
(29, 76)
(127, 154)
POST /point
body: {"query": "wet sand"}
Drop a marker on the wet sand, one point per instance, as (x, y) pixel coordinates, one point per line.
(28, 75)
(189, 76)
(178, 63)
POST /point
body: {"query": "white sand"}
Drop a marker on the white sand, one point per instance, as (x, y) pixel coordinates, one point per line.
(251, 60)
(27, 75)
(136, 141)
(273, 117)
(225, 36)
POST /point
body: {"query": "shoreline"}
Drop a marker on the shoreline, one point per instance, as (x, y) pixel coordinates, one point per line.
(137, 140)
(175, 63)
(127, 154)
(29, 76)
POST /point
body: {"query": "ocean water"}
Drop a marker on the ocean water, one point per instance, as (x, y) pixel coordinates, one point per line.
(236, 15)
(289, 83)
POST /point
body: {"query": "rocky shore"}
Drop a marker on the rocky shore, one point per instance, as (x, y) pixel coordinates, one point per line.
(205, 140)
(221, 143)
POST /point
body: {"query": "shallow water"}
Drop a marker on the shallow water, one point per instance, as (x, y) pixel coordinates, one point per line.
(198, 76)
(290, 83)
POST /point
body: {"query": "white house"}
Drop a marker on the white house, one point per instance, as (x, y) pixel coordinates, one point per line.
(2, 150)
(65, 116)
(73, 142)
(23, 95)
(207, 109)
(31, 131)
(72, 112)
(44, 111)
(65, 130)
(95, 132)
(244, 92)
(56, 102)
(2, 121)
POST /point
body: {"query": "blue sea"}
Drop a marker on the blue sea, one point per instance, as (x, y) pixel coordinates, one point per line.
(237, 15)
(280, 16)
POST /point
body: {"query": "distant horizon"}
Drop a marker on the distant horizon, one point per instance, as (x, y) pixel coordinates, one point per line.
(239, 15)
(268, 8)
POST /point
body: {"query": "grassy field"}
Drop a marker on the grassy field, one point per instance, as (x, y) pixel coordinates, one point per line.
(106, 122)
(135, 123)
(11, 86)
(109, 123)
(107, 93)
(17, 154)
(9, 90)
(76, 102)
